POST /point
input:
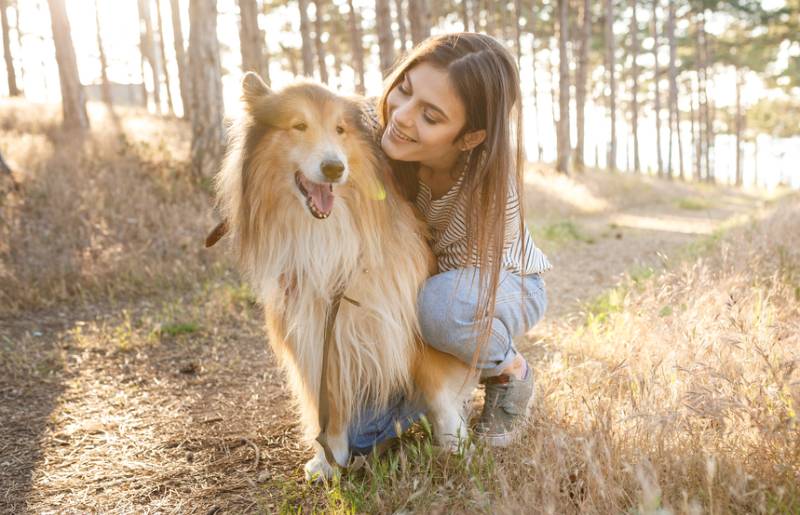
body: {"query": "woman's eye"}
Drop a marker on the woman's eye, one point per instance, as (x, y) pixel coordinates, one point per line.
(339, 129)
(402, 89)
(300, 127)
(428, 119)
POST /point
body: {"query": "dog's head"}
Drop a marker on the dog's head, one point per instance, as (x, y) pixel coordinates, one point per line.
(299, 152)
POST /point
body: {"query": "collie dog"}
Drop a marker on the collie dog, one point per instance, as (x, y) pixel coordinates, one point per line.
(313, 211)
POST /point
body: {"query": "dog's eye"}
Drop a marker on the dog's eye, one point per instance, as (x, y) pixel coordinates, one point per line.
(300, 127)
(340, 129)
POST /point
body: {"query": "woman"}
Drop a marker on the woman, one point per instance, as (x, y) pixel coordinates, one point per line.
(445, 121)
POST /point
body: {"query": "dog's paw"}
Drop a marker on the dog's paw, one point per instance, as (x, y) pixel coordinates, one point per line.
(317, 469)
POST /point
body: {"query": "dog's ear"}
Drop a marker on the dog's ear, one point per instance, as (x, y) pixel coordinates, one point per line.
(217, 233)
(253, 88)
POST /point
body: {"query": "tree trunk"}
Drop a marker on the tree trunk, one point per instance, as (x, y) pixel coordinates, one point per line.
(251, 39)
(709, 127)
(146, 41)
(205, 73)
(180, 57)
(695, 133)
(563, 140)
(517, 32)
(163, 52)
(657, 99)
(673, 88)
(488, 17)
(612, 85)
(21, 64)
(553, 94)
(401, 25)
(681, 167)
(739, 174)
(290, 55)
(13, 90)
(305, 34)
(73, 99)
(383, 25)
(539, 150)
(465, 13)
(418, 19)
(358, 49)
(105, 86)
(318, 29)
(635, 76)
(580, 86)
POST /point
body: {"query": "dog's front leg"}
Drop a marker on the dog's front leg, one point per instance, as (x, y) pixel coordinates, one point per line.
(318, 468)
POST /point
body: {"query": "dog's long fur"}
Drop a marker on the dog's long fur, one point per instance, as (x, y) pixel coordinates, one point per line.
(371, 245)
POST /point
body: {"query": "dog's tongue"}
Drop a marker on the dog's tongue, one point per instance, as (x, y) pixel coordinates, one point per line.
(321, 195)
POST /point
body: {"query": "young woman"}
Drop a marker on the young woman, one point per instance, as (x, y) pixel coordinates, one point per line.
(450, 120)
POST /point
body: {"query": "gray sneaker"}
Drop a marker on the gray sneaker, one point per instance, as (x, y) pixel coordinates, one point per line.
(506, 407)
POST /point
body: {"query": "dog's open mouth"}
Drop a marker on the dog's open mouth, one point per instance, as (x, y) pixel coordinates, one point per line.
(319, 197)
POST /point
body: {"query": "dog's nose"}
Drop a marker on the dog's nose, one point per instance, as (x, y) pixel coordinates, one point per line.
(332, 169)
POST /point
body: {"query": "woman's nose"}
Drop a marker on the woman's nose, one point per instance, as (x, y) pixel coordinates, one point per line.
(402, 115)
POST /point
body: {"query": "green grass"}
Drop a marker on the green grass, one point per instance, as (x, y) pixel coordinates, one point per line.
(693, 203)
(563, 231)
(413, 476)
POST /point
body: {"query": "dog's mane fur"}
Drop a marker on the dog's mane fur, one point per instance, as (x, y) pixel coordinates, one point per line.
(372, 245)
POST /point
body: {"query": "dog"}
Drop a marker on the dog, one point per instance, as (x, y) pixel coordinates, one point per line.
(312, 209)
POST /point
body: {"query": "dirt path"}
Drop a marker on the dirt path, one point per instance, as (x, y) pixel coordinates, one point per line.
(175, 405)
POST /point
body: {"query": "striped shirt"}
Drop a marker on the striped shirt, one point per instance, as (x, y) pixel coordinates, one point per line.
(446, 217)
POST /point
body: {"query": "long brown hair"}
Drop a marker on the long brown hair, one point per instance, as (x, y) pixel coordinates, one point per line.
(485, 76)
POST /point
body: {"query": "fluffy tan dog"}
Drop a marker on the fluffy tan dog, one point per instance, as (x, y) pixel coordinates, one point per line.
(307, 197)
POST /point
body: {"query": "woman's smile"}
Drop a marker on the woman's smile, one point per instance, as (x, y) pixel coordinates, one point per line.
(397, 134)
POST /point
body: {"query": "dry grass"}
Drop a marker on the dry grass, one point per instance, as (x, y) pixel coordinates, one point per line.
(113, 215)
(134, 377)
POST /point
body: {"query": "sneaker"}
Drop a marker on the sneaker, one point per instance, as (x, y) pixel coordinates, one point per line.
(506, 407)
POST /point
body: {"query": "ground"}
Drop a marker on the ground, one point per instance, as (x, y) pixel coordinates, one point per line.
(173, 403)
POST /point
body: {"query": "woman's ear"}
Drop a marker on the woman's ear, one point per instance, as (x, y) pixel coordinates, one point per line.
(472, 139)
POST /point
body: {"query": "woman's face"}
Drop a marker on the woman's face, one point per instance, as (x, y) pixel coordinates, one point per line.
(424, 116)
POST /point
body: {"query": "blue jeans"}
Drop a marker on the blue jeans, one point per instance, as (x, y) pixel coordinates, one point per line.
(447, 304)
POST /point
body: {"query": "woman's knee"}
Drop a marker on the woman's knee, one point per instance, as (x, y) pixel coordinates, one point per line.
(444, 315)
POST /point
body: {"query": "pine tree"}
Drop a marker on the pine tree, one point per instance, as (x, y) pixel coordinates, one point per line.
(73, 98)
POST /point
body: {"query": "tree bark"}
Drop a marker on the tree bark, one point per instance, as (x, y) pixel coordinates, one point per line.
(358, 49)
(180, 57)
(695, 132)
(401, 25)
(635, 76)
(673, 88)
(539, 150)
(383, 26)
(612, 85)
(709, 127)
(563, 136)
(580, 84)
(13, 90)
(146, 41)
(657, 99)
(465, 13)
(488, 18)
(418, 19)
(205, 73)
(318, 29)
(163, 51)
(105, 86)
(517, 32)
(73, 99)
(305, 34)
(739, 174)
(251, 39)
